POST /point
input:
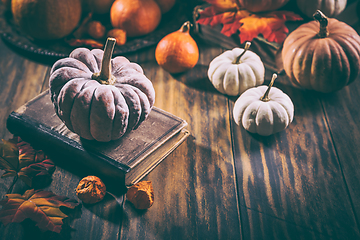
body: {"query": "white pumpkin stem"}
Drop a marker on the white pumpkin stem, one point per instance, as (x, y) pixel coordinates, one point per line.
(266, 98)
(237, 60)
(104, 76)
(323, 20)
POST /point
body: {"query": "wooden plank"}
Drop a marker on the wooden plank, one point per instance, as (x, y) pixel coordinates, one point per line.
(21, 80)
(269, 227)
(195, 192)
(293, 176)
(343, 116)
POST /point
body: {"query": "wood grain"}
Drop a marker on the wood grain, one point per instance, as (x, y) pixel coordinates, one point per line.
(343, 116)
(22, 80)
(293, 176)
(195, 194)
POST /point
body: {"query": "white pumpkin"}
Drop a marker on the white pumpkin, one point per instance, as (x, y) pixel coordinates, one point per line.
(236, 70)
(262, 111)
(330, 8)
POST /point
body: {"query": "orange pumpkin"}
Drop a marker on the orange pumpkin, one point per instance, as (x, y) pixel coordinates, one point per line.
(136, 17)
(322, 55)
(46, 20)
(177, 51)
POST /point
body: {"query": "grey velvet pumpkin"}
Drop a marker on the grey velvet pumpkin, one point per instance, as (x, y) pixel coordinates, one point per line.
(100, 98)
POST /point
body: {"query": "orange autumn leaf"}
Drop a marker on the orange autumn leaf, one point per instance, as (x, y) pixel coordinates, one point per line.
(248, 25)
(43, 207)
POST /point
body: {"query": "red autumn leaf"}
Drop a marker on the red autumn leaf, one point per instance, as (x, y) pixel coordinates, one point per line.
(249, 25)
(43, 207)
(18, 158)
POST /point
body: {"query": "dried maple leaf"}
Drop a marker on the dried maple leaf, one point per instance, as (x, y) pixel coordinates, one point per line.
(271, 25)
(43, 207)
(18, 158)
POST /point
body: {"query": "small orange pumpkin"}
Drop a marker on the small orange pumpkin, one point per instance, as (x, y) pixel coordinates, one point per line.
(177, 51)
(136, 17)
(322, 55)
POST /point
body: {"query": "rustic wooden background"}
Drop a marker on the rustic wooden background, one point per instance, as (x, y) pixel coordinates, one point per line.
(223, 182)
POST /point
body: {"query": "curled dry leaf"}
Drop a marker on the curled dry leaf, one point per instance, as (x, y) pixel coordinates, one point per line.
(18, 158)
(141, 195)
(43, 207)
(91, 190)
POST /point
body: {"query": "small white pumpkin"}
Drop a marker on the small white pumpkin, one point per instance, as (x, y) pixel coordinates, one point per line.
(263, 112)
(236, 70)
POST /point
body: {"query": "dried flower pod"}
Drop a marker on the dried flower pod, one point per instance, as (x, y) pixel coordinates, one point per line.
(118, 34)
(141, 195)
(91, 190)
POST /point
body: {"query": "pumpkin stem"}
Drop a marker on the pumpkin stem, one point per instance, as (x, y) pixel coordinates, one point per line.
(323, 20)
(185, 27)
(104, 76)
(266, 98)
(237, 60)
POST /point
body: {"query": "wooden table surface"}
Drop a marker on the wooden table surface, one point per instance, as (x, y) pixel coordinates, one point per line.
(222, 182)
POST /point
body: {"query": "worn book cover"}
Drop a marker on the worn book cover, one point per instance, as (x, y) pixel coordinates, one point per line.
(126, 160)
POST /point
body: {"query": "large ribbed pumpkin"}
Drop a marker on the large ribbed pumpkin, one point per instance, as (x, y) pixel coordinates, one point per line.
(97, 97)
(322, 55)
(330, 8)
(262, 5)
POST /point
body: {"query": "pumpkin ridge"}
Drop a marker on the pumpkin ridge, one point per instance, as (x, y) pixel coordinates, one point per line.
(98, 55)
(80, 112)
(299, 68)
(317, 58)
(142, 83)
(250, 124)
(351, 51)
(71, 63)
(85, 56)
(133, 101)
(63, 75)
(243, 85)
(258, 75)
(60, 103)
(232, 80)
(281, 101)
(278, 112)
(145, 105)
(341, 62)
(121, 114)
(259, 120)
(102, 113)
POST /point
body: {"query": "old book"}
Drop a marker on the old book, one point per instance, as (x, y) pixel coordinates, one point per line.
(125, 161)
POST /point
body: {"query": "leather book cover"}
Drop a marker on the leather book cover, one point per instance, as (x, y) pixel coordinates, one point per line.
(126, 160)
